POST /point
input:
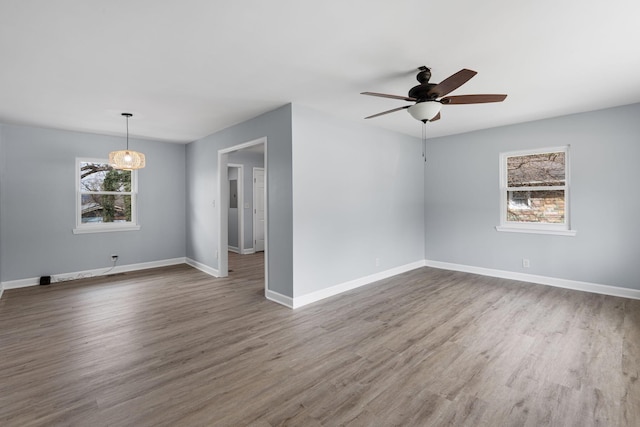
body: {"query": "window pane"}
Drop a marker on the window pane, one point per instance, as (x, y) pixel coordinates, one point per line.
(534, 170)
(102, 177)
(101, 208)
(536, 206)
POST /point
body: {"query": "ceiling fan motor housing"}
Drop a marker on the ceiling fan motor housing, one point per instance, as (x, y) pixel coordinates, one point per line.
(421, 92)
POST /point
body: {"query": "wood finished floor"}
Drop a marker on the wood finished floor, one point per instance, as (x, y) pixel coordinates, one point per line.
(175, 347)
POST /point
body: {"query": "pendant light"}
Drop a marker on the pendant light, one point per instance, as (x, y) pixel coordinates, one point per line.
(126, 159)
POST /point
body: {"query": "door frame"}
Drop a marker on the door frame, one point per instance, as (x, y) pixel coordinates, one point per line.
(254, 206)
(240, 180)
(223, 208)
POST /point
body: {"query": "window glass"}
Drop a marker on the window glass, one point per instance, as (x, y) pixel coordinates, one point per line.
(106, 196)
(535, 190)
(536, 170)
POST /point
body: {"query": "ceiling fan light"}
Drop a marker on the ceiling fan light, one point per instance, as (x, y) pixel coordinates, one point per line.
(425, 111)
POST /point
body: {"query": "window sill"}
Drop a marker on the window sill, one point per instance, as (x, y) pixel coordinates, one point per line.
(536, 230)
(105, 229)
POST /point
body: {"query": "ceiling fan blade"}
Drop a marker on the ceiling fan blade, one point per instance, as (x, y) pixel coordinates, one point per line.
(436, 117)
(388, 111)
(472, 99)
(452, 82)
(384, 95)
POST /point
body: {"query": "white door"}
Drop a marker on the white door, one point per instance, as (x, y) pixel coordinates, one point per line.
(258, 209)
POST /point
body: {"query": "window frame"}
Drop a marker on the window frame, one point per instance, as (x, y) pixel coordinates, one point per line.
(82, 228)
(563, 229)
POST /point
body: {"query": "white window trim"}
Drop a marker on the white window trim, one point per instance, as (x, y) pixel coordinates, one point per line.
(81, 228)
(535, 228)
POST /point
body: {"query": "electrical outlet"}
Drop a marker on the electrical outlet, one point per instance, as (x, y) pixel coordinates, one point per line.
(377, 262)
(114, 257)
(525, 263)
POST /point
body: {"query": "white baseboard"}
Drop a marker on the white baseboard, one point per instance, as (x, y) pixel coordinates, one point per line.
(21, 283)
(279, 298)
(64, 277)
(236, 250)
(202, 267)
(352, 284)
(542, 280)
(303, 300)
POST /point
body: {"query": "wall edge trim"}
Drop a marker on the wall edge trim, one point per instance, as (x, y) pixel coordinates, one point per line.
(576, 285)
(97, 272)
(353, 284)
(202, 267)
(279, 298)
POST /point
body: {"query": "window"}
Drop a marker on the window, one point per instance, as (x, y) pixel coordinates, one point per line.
(105, 197)
(534, 188)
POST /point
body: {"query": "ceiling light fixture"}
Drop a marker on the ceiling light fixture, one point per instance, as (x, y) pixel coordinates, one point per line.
(425, 111)
(127, 159)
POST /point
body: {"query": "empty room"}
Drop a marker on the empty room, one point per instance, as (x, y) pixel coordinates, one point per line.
(366, 213)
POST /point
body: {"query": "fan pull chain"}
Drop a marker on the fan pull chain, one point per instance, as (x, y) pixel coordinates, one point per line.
(424, 141)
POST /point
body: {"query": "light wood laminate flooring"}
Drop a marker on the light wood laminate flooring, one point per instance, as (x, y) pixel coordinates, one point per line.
(175, 347)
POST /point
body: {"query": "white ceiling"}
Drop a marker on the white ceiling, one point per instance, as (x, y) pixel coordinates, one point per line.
(189, 68)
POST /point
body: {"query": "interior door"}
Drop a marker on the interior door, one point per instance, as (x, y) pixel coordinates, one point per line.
(258, 209)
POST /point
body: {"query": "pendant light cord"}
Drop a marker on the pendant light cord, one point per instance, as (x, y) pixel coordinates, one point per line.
(127, 115)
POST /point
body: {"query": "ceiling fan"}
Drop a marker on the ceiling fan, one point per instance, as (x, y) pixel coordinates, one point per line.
(428, 97)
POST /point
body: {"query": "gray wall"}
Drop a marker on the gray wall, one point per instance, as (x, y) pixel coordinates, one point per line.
(249, 160)
(358, 195)
(351, 193)
(462, 199)
(37, 213)
(202, 188)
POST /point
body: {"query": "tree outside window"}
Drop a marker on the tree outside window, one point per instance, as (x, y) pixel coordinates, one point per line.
(106, 196)
(535, 191)
(536, 188)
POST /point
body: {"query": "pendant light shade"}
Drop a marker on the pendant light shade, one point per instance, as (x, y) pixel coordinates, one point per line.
(127, 159)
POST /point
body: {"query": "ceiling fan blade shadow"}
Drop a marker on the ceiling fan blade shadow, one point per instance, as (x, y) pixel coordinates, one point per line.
(473, 99)
(452, 82)
(384, 95)
(388, 111)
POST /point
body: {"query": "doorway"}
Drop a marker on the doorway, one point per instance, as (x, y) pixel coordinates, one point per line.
(258, 209)
(235, 219)
(257, 148)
